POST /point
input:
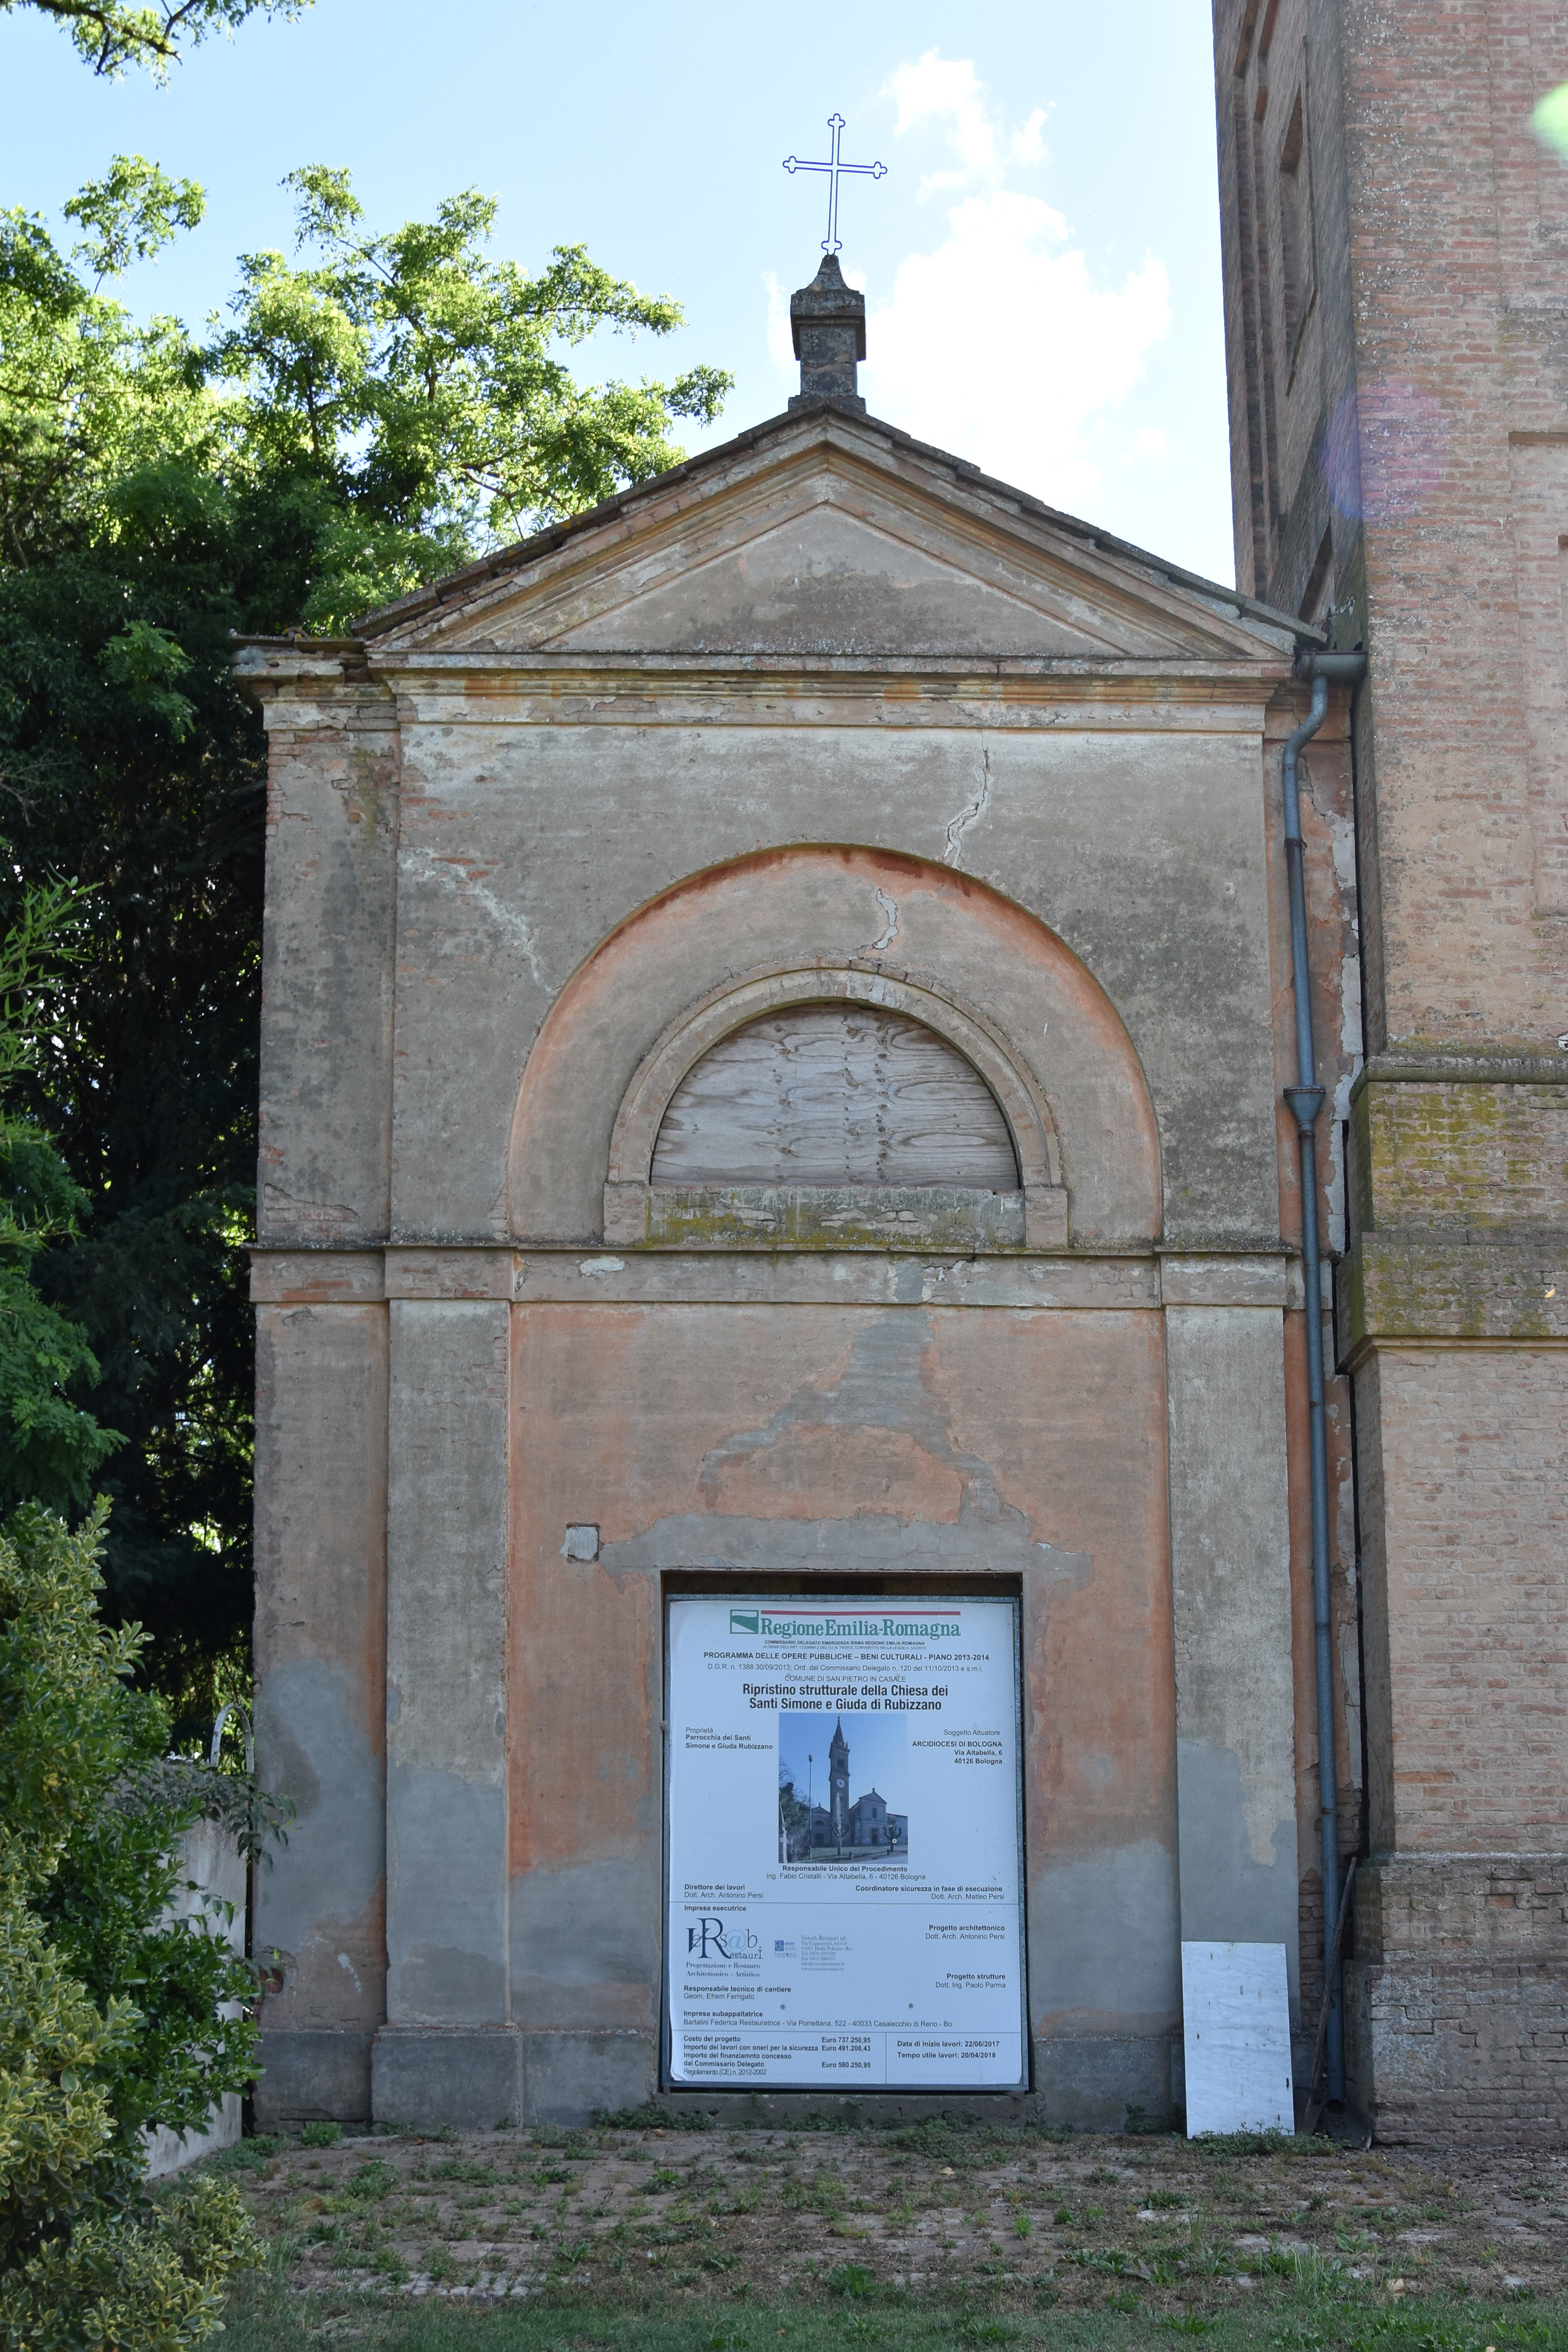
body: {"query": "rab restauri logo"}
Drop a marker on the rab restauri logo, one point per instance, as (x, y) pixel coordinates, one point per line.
(707, 1941)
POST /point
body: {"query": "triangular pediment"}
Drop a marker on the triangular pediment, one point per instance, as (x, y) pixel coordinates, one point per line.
(826, 534)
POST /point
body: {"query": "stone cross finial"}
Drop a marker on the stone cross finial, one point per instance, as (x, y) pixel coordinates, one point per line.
(828, 321)
(836, 168)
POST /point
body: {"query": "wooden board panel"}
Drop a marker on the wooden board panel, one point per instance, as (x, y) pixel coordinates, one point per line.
(835, 1094)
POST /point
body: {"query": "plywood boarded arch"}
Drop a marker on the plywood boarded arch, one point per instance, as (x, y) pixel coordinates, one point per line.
(992, 1173)
(820, 925)
(834, 1093)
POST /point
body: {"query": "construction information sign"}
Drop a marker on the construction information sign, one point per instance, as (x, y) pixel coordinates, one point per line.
(842, 1844)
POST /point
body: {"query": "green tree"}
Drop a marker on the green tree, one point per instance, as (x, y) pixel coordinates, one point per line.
(422, 389)
(112, 36)
(50, 1445)
(369, 413)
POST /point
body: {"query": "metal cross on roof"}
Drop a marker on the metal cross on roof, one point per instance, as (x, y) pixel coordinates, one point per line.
(832, 243)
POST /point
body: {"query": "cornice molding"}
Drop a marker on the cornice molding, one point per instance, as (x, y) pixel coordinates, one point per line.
(1458, 1065)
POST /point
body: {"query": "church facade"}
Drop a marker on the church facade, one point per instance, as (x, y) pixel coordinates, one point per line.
(778, 1004)
(1396, 241)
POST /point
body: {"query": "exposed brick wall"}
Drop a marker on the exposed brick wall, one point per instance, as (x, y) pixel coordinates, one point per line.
(1440, 244)
(1457, 1997)
(1467, 1596)
(1400, 474)
(1471, 1158)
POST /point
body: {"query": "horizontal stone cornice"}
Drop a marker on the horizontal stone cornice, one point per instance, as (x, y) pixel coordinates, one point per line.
(1457, 1066)
(588, 1274)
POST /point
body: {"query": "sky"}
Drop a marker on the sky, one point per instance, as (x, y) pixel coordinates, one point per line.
(1040, 263)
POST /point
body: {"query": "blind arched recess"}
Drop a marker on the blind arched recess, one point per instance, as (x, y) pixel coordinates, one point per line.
(835, 1094)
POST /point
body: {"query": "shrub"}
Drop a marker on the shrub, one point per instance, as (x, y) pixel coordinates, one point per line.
(109, 2012)
(139, 2283)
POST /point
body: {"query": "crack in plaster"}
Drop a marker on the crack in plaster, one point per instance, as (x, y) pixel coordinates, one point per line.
(967, 817)
(451, 876)
(889, 907)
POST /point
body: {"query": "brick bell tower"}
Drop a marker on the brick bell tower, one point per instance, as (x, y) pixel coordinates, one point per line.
(1398, 377)
(838, 1784)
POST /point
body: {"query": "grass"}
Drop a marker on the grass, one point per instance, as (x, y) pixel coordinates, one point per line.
(265, 2319)
(641, 2233)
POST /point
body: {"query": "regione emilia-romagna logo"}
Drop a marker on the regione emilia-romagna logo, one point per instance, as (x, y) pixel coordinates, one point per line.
(870, 1625)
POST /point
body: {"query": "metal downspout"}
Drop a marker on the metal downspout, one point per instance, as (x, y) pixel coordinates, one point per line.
(1305, 1100)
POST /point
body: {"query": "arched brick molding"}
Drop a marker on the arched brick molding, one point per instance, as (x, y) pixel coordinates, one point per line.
(629, 1194)
(803, 924)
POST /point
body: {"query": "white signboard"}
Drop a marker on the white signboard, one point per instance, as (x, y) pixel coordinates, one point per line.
(842, 1840)
(1235, 2010)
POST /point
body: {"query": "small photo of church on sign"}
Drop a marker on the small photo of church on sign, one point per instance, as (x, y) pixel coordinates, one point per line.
(838, 1787)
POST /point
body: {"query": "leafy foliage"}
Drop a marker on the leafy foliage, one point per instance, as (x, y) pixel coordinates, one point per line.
(50, 1445)
(368, 415)
(111, 35)
(89, 1834)
(150, 2281)
(422, 387)
(112, 2011)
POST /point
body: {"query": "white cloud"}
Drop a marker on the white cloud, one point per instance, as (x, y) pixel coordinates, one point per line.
(1000, 346)
(1002, 342)
(948, 90)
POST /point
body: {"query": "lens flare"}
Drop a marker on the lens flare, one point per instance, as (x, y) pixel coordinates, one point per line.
(1385, 451)
(1550, 120)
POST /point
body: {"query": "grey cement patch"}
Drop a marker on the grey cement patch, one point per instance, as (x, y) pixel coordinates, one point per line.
(596, 1924)
(446, 1620)
(1227, 1896)
(325, 1115)
(883, 1386)
(308, 1747)
(425, 2079)
(1092, 2081)
(1103, 1936)
(446, 1898)
(1230, 1558)
(566, 2076)
(313, 2074)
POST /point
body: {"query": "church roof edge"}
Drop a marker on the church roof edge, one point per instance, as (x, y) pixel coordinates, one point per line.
(453, 586)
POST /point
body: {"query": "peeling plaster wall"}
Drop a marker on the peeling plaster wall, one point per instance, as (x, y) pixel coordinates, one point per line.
(447, 1614)
(1230, 1567)
(320, 1472)
(523, 846)
(839, 1441)
(327, 967)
